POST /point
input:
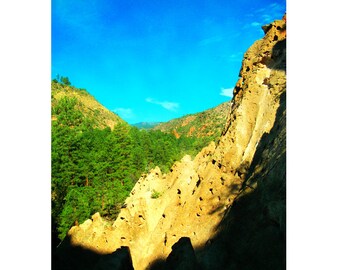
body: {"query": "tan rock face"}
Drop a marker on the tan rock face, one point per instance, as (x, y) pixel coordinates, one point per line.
(198, 196)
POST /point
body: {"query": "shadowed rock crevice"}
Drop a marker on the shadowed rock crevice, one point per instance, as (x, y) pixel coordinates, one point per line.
(70, 257)
(118, 260)
(182, 257)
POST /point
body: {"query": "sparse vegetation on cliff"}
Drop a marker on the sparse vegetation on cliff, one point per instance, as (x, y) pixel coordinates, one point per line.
(155, 194)
(206, 125)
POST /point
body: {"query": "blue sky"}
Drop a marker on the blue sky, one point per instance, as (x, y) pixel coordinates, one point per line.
(156, 60)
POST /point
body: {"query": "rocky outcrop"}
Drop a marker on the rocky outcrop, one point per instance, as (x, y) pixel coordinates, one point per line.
(182, 256)
(229, 201)
(118, 260)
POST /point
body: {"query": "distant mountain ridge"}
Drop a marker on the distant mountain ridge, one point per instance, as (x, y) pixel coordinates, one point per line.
(146, 125)
(208, 123)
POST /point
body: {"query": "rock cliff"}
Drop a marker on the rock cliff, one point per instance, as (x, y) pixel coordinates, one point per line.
(224, 209)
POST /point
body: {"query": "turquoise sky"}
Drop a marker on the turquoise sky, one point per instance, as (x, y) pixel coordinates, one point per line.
(156, 60)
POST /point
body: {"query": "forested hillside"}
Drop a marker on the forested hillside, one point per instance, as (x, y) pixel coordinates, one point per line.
(97, 157)
(207, 124)
(65, 96)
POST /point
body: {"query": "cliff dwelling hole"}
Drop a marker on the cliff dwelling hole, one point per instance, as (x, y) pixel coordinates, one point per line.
(266, 81)
(219, 165)
(193, 192)
(197, 214)
(163, 215)
(219, 198)
(201, 199)
(247, 69)
(213, 161)
(198, 182)
(141, 216)
(222, 181)
(276, 37)
(122, 238)
(165, 239)
(178, 191)
(211, 190)
(122, 218)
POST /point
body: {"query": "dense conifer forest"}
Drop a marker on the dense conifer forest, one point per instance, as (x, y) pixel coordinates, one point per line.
(94, 168)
